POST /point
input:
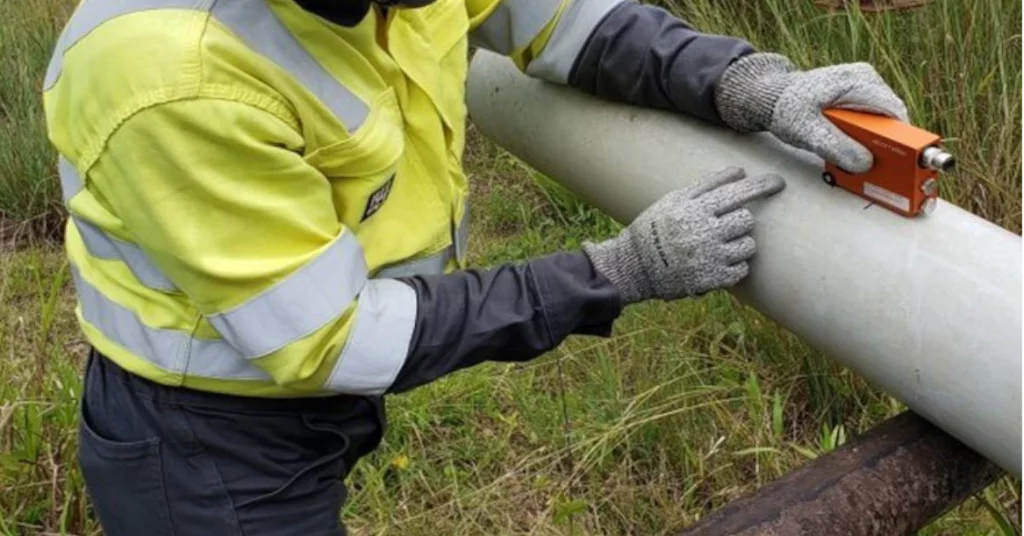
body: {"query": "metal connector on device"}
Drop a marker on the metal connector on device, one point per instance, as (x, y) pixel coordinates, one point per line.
(928, 205)
(930, 187)
(937, 159)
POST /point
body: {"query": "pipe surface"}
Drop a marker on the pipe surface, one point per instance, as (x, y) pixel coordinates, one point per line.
(892, 480)
(927, 308)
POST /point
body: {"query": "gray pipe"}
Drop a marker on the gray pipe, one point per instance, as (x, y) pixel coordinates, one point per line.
(928, 309)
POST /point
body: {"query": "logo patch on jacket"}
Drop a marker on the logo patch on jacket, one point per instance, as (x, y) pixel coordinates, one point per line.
(377, 199)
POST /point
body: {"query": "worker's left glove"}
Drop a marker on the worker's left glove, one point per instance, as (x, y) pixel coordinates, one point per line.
(691, 241)
(764, 91)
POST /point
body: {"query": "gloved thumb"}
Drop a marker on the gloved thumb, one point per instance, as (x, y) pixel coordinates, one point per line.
(826, 140)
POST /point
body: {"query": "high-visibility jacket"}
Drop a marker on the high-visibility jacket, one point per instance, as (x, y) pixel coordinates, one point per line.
(246, 181)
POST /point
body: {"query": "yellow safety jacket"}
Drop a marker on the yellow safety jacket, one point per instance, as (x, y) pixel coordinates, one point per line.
(244, 179)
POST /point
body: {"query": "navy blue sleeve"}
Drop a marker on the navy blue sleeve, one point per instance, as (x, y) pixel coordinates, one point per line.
(643, 55)
(514, 312)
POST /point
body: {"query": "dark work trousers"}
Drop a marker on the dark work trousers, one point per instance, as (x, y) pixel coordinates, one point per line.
(161, 461)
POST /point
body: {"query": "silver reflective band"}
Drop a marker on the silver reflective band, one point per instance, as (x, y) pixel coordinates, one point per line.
(171, 350)
(252, 21)
(566, 42)
(92, 13)
(379, 341)
(373, 355)
(103, 246)
(70, 180)
(298, 305)
(461, 238)
(514, 24)
(432, 265)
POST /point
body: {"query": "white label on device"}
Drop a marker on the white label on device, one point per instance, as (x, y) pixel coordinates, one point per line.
(887, 197)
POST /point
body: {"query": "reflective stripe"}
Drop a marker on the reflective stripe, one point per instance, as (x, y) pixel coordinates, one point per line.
(298, 305)
(461, 238)
(70, 180)
(566, 42)
(171, 350)
(431, 265)
(373, 355)
(379, 342)
(514, 24)
(251, 20)
(103, 246)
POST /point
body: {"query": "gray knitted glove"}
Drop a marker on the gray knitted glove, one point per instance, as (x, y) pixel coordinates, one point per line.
(764, 91)
(689, 242)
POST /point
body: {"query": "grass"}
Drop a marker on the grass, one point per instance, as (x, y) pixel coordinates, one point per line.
(686, 407)
(29, 190)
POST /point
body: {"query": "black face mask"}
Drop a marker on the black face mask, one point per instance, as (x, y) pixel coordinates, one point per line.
(350, 12)
(400, 4)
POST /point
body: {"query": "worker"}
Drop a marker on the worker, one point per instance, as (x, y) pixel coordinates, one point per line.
(268, 222)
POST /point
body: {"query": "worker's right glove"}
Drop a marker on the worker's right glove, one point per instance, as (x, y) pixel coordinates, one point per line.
(765, 91)
(689, 242)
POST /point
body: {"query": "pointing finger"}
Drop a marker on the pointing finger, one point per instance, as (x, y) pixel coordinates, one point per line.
(737, 194)
(728, 175)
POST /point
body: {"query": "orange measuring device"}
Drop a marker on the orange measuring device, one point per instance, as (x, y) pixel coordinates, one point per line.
(904, 177)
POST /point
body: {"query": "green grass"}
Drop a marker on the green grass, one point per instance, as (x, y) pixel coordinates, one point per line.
(29, 189)
(688, 406)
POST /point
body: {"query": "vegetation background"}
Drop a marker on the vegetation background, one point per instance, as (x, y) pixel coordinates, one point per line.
(687, 407)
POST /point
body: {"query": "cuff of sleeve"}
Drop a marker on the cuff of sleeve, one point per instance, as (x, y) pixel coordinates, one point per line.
(750, 88)
(617, 261)
(574, 297)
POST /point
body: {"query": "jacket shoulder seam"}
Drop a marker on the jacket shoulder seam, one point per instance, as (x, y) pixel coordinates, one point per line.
(207, 92)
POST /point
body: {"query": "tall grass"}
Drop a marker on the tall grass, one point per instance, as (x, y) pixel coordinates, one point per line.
(40, 349)
(29, 189)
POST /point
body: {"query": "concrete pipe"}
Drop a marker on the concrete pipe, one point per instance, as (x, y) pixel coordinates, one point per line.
(928, 308)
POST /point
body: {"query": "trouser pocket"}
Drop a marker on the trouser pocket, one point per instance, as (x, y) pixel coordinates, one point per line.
(124, 480)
